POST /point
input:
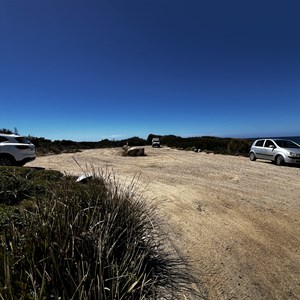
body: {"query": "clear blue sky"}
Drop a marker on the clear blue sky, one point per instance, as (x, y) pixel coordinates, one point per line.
(89, 70)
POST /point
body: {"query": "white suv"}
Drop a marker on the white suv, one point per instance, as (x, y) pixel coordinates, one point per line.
(155, 142)
(15, 150)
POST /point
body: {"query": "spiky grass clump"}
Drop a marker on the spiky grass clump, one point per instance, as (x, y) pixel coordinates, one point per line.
(88, 241)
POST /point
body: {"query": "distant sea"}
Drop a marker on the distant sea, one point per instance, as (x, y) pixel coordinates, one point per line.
(292, 138)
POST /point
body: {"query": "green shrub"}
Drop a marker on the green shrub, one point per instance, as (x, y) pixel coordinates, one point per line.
(238, 147)
(17, 184)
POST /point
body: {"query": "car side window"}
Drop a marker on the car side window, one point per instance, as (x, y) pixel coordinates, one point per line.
(269, 143)
(259, 143)
(22, 140)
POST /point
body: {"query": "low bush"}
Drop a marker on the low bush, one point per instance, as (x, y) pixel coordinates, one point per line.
(93, 240)
(238, 146)
(17, 184)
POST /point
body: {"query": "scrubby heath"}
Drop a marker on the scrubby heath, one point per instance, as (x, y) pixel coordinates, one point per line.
(62, 239)
(213, 144)
(207, 143)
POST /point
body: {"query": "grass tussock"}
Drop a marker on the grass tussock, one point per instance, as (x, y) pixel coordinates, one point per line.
(83, 241)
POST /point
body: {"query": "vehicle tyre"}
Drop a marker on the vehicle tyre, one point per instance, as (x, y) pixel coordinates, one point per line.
(279, 160)
(6, 161)
(252, 156)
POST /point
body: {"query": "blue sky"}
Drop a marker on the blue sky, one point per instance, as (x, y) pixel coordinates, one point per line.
(89, 70)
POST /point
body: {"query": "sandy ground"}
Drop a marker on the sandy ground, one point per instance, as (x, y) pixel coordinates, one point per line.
(237, 221)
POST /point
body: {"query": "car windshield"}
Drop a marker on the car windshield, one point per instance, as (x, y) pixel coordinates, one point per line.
(286, 144)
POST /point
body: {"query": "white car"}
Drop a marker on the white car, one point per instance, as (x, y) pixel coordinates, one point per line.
(276, 150)
(15, 150)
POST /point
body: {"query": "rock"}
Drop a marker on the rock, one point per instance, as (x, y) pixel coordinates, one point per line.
(135, 151)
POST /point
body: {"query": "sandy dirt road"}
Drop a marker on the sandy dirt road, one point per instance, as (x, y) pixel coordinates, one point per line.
(237, 221)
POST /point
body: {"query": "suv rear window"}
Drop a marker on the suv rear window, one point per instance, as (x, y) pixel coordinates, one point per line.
(22, 140)
(3, 139)
(259, 143)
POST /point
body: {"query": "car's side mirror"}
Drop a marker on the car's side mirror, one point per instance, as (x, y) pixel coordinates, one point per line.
(272, 146)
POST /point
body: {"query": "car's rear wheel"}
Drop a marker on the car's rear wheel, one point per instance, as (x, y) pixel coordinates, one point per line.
(6, 161)
(279, 160)
(252, 156)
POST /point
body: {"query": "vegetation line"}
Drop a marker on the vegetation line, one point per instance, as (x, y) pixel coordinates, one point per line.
(229, 146)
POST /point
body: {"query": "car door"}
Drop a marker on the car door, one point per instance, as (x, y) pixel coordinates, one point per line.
(269, 147)
(259, 149)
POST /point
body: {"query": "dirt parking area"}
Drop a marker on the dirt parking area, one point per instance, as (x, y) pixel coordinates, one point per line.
(237, 221)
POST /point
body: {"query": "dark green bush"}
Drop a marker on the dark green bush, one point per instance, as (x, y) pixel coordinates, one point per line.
(238, 147)
(17, 184)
